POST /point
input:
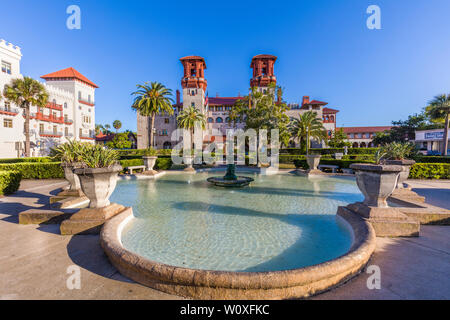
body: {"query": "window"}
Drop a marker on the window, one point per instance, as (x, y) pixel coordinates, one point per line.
(55, 130)
(79, 95)
(66, 131)
(220, 108)
(228, 108)
(7, 123)
(54, 115)
(227, 119)
(210, 120)
(193, 104)
(166, 120)
(91, 133)
(89, 98)
(219, 120)
(41, 128)
(164, 132)
(6, 67)
(7, 106)
(81, 132)
(65, 105)
(66, 118)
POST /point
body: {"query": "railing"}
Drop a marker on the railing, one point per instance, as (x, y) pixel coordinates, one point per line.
(50, 134)
(49, 118)
(68, 121)
(89, 103)
(54, 106)
(9, 111)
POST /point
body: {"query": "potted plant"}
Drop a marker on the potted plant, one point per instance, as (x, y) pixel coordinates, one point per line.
(69, 154)
(397, 153)
(150, 156)
(98, 174)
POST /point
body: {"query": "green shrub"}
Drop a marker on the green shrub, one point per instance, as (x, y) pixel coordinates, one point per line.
(330, 151)
(431, 159)
(20, 160)
(131, 162)
(342, 164)
(163, 163)
(430, 171)
(35, 170)
(9, 182)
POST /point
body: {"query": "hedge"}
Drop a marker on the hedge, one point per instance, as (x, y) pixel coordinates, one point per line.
(432, 159)
(430, 171)
(9, 182)
(35, 170)
(342, 164)
(20, 160)
(162, 163)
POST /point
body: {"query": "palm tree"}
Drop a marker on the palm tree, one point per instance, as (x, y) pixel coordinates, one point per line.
(151, 100)
(117, 125)
(99, 129)
(439, 108)
(190, 118)
(308, 127)
(25, 93)
(107, 127)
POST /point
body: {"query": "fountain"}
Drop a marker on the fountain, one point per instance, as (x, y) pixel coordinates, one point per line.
(230, 179)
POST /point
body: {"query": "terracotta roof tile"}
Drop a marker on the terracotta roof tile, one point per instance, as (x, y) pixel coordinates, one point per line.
(365, 129)
(69, 73)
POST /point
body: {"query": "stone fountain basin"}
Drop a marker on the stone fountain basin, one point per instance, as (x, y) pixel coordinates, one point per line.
(207, 284)
(241, 181)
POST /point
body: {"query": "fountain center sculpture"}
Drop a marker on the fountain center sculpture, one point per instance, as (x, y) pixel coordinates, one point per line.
(230, 179)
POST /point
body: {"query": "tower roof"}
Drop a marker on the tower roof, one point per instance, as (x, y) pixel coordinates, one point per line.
(263, 56)
(69, 73)
(187, 58)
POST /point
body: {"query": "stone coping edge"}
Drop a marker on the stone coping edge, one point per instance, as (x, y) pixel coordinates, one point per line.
(221, 285)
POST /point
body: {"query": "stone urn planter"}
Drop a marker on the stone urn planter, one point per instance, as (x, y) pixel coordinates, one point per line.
(70, 176)
(149, 162)
(98, 184)
(376, 182)
(404, 174)
(188, 161)
(313, 162)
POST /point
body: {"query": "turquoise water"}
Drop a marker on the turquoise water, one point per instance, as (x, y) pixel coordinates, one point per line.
(280, 222)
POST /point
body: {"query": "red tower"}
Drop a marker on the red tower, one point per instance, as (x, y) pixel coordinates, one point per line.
(263, 73)
(194, 72)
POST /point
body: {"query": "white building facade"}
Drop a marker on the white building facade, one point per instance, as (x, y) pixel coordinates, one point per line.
(69, 114)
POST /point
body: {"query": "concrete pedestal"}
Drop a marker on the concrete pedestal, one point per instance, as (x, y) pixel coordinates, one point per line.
(387, 222)
(90, 220)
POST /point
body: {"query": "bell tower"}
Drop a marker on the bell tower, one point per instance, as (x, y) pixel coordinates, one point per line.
(263, 71)
(194, 83)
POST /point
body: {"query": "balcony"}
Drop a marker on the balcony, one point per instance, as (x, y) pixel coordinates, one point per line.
(50, 134)
(88, 103)
(9, 111)
(54, 106)
(50, 118)
(68, 121)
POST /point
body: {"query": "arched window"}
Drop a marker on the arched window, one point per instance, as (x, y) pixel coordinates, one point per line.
(167, 145)
(332, 118)
(363, 145)
(227, 119)
(219, 120)
(65, 105)
(210, 120)
(355, 145)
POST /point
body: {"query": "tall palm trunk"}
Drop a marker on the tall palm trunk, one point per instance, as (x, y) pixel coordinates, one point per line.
(151, 130)
(307, 143)
(446, 134)
(27, 130)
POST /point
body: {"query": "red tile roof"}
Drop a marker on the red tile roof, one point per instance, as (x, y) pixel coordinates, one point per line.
(104, 137)
(219, 101)
(329, 110)
(192, 58)
(69, 73)
(365, 129)
(317, 102)
(264, 56)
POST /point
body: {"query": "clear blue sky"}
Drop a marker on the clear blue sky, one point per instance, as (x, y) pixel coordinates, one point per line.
(324, 49)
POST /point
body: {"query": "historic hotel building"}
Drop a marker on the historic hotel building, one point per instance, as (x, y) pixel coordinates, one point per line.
(216, 109)
(69, 114)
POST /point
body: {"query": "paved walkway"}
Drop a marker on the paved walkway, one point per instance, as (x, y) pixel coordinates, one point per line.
(34, 259)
